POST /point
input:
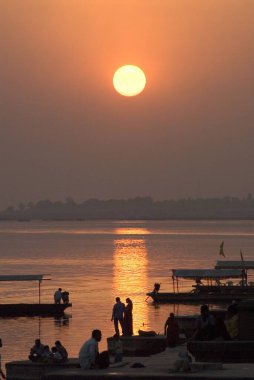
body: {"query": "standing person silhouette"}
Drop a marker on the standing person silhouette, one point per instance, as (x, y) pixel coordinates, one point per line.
(128, 318)
(58, 296)
(171, 330)
(1, 372)
(117, 315)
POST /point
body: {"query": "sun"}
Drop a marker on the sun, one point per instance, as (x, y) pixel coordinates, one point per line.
(129, 80)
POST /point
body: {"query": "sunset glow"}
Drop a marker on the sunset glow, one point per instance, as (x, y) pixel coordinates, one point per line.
(129, 80)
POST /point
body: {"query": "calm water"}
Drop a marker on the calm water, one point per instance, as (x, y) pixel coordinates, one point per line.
(97, 261)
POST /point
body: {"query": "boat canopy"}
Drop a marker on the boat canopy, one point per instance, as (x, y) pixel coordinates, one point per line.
(23, 277)
(207, 273)
(238, 264)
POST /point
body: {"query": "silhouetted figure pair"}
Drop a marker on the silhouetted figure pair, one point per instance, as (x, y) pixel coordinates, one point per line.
(123, 314)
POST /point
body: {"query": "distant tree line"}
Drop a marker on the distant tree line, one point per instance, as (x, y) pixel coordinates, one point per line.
(135, 208)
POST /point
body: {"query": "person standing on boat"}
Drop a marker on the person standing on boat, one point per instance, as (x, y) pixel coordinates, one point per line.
(65, 297)
(58, 296)
(128, 319)
(117, 315)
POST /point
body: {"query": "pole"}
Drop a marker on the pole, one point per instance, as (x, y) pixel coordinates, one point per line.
(39, 291)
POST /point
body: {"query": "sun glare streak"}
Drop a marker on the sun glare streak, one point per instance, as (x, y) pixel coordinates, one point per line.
(130, 276)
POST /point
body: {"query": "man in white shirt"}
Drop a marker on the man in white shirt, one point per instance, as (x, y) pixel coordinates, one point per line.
(89, 356)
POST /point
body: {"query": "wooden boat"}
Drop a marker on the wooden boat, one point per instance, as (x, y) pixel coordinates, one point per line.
(214, 291)
(31, 309)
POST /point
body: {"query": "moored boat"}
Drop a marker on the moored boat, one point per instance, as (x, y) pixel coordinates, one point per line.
(214, 291)
(30, 309)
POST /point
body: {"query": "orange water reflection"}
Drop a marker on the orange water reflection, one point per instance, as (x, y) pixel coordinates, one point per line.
(132, 231)
(130, 274)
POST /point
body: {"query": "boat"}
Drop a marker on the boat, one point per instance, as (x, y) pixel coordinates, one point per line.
(214, 291)
(31, 309)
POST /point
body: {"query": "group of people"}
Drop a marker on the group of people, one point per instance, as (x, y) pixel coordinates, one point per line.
(209, 327)
(42, 353)
(122, 314)
(89, 356)
(60, 295)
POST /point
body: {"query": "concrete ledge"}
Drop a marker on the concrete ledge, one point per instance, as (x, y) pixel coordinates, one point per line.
(27, 370)
(222, 351)
(151, 375)
(197, 367)
(139, 345)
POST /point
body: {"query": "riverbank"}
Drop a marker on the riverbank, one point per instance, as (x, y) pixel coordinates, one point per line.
(158, 366)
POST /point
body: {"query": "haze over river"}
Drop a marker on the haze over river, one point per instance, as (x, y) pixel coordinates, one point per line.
(99, 260)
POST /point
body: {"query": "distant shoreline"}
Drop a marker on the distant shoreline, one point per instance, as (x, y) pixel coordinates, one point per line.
(122, 219)
(139, 208)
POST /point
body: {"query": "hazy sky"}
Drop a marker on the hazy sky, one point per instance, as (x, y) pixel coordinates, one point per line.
(66, 132)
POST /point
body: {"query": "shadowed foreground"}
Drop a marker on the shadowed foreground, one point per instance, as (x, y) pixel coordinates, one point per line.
(157, 366)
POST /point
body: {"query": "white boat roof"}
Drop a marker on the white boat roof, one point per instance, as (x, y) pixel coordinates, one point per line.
(207, 273)
(23, 277)
(224, 264)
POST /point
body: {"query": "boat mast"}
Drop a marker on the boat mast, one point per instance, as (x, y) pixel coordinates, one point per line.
(39, 291)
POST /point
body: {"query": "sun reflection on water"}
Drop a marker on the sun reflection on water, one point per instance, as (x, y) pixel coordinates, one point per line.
(132, 231)
(130, 273)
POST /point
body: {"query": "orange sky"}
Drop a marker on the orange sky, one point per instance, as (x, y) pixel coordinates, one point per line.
(66, 132)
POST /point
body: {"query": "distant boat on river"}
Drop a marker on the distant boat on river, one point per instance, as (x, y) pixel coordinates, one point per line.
(31, 309)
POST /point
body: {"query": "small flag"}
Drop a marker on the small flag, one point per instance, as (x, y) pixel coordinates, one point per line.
(221, 249)
(244, 271)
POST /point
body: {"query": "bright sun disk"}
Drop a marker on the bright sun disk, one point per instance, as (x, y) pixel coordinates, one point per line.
(129, 80)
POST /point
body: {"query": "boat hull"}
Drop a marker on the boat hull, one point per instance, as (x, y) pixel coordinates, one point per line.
(27, 309)
(199, 298)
